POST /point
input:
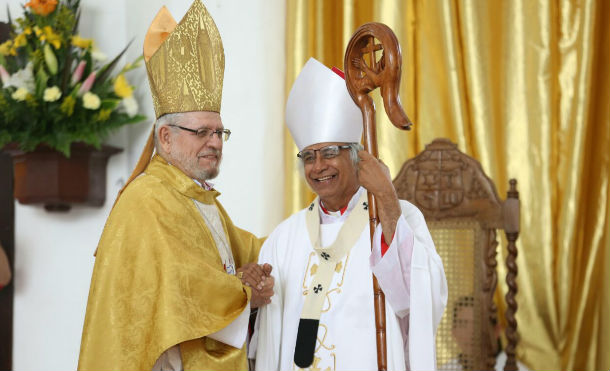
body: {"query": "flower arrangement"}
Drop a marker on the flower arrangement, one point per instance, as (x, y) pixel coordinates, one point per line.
(56, 88)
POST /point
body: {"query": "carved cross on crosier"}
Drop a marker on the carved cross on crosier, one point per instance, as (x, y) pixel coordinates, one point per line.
(362, 78)
(372, 71)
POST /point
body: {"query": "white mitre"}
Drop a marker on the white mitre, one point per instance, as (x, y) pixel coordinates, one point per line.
(320, 109)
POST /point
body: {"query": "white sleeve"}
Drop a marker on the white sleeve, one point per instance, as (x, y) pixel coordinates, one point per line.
(428, 292)
(393, 269)
(235, 333)
(170, 360)
(412, 277)
(266, 339)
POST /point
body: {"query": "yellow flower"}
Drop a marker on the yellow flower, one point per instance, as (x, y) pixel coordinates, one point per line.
(91, 101)
(5, 47)
(81, 42)
(104, 114)
(67, 106)
(31, 101)
(37, 31)
(20, 40)
(50, 36)
(20, 94)
(27, 30)
(122, 87)
(51, 94)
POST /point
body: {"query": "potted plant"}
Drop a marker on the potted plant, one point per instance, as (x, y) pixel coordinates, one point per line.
(59, 99)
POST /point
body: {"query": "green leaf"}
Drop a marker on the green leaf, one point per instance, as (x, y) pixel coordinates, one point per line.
(110, 103)
(62, 144)
(5, 138)
(107, 69)
(76, 21)
(41, 81)
(135, 119)
(133, 65)
(66, 72)
(10, 20)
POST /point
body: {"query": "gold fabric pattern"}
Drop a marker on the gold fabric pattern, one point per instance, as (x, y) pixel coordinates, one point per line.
(186, 72)
(523, 87)
(158, 279)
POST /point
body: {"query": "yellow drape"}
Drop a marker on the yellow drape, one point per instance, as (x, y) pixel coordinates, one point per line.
(522, 86)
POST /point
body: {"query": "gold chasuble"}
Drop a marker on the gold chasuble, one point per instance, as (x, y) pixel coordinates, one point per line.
(159, 281)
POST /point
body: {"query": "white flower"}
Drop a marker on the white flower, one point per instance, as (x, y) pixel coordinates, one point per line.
(91, 101)
(97, 55)
(20, 94)
(23, 78)
(51, 94)
(131, 106)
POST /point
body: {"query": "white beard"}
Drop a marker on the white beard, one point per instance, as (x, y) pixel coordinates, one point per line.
(192, 167)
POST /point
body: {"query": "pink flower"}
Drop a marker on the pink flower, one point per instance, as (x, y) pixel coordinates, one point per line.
(87, 84)
(78, 72)
(4, 75)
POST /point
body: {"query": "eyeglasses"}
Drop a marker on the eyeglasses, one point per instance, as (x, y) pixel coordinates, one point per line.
(223, 134)
(309, 155)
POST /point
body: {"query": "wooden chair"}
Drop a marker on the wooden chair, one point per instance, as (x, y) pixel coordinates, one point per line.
(463, 212)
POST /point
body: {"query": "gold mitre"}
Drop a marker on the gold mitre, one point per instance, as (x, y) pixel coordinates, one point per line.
(185, 62)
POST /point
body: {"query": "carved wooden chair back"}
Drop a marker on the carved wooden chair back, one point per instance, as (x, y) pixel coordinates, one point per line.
(463, 211)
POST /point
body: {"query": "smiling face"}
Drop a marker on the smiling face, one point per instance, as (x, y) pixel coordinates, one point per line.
(199, 158)
(335, 179)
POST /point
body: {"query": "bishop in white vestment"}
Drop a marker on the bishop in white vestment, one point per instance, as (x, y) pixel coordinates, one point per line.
(322, 315)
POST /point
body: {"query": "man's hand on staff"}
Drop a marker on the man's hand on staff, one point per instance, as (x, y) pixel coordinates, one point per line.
(374, 175)
(259, 278)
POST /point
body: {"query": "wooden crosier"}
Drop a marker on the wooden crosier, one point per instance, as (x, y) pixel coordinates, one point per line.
(362, 78)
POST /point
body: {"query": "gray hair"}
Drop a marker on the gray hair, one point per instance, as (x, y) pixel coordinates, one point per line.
(354, 148)
(167, 119)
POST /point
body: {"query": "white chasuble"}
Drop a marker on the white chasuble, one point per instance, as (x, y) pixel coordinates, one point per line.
(346, 330)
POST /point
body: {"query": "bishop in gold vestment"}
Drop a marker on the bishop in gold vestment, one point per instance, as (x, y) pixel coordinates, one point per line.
(164, 287)
(158, 279)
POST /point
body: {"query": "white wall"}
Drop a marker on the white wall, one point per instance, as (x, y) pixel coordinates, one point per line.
(53, 261)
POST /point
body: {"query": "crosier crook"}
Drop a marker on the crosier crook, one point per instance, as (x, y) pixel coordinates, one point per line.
(362, 79)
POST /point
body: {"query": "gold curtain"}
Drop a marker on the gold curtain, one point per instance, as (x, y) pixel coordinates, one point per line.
(523, 86)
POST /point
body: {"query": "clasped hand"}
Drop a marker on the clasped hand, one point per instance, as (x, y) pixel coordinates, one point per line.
(259, 278)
